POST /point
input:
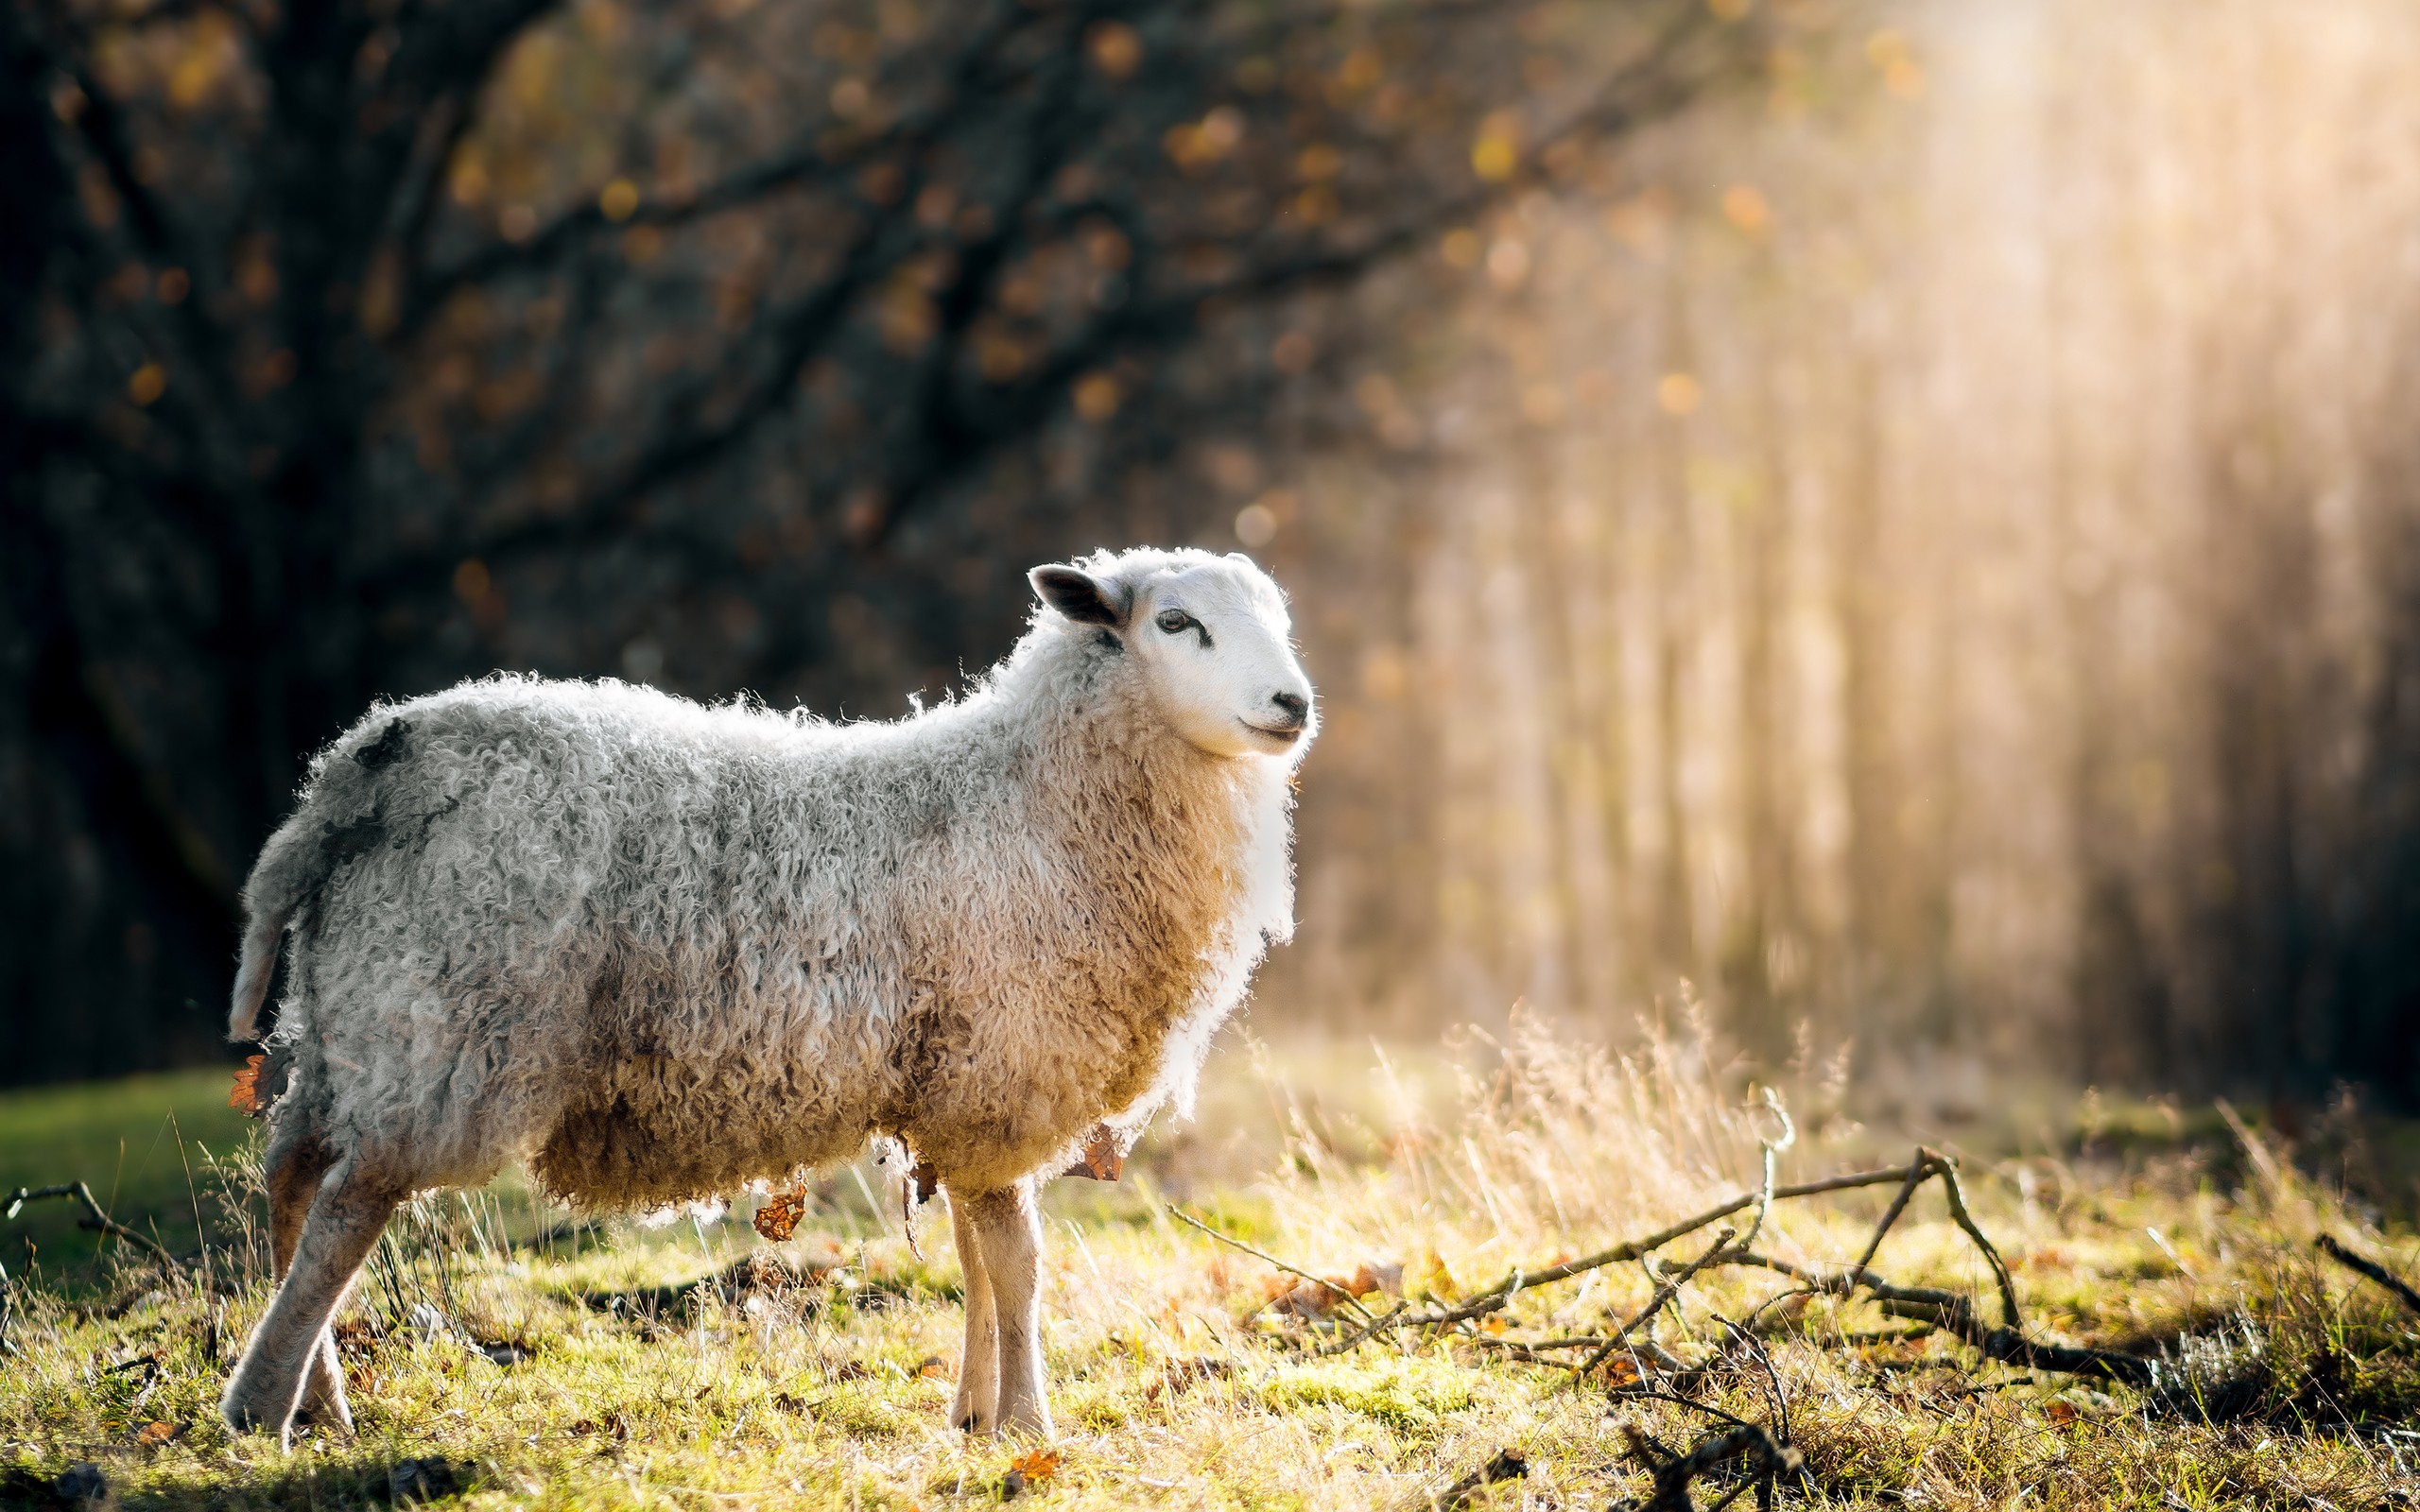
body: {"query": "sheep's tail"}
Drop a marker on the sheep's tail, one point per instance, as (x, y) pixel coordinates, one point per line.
(339, 816)
(293, 866)
(252, 974)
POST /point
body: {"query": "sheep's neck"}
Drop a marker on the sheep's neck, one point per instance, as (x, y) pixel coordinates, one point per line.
(1150, 942)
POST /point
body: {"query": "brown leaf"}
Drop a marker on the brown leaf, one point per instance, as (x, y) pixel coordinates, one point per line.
(1102, 1161)
(2062, 1412)
(1036, 1465)
(933, 1367)
(779, 1217)
(152, 1435)
(244, 1096)
(1369, 1277)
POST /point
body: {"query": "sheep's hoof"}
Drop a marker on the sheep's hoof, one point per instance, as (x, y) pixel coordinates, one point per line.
(323, 1415)
(249, 1414)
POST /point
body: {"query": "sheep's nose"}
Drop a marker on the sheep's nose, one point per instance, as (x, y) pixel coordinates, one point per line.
(1296, 706)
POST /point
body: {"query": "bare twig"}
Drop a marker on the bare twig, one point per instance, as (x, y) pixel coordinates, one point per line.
(95, 1219)
(1917, 1170)
(1947, 1171)
(1768, 1461)
(1774, 1393)
(1320, 1281)
(1667, 1288)
(2371, 1268)
(1361, 1335)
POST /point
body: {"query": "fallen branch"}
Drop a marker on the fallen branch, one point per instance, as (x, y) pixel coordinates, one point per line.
(2371, 1268)
(1954, 1313)
(1363, 1335)
(1951, 1311)
(1667, 1287)
(1767, 1462)
(95, 1219)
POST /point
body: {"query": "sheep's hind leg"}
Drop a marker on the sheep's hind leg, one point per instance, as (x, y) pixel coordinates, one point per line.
(978, 1404)
(1009, 1232)
(346, 1217)
(297, 1160)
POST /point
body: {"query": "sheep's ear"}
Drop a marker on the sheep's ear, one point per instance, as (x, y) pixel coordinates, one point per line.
(1080, 596)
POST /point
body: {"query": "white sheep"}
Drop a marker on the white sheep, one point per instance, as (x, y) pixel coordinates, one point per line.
(659, 950)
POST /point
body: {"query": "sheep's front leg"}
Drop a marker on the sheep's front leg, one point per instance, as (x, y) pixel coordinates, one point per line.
(978, 1367)
(346, 1218)
(1008, 1235)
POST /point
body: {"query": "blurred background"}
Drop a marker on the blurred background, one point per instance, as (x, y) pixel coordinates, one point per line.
(1897, 523)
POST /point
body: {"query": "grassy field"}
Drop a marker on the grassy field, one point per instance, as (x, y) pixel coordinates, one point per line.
(499, 1357)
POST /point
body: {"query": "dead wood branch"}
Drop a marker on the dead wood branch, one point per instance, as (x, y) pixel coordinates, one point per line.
(1954, 1313)
(95, 1219)
(1947, 1169)
(2371, 1268)
(1768, 1461)
(1667, 1287)
(1363, 1335)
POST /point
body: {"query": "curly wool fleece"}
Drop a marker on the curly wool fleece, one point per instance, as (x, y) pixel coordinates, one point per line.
(659, 950)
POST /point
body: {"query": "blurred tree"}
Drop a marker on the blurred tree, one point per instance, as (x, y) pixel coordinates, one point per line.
(361, 345)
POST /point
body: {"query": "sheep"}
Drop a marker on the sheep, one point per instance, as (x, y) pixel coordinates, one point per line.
(658, 950)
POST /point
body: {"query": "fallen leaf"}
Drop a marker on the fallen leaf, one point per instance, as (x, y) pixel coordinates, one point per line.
(1305, 1300)
(779, 1217)
(1036, 1465)
(1102, 1160)
(1376, 1276)
(153, 1435)
(1494, 1323)
(2062, 1412)
(934, 1367)
(244, 1096)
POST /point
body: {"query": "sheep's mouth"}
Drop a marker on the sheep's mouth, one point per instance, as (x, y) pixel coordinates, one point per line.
(1283, 735)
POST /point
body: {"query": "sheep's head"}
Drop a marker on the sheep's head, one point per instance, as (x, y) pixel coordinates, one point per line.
(1209, 636)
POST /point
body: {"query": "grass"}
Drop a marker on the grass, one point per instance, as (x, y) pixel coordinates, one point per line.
(679, 1367)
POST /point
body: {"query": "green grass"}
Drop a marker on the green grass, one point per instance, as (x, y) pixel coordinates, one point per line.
(139, 1143)
(648, 1384)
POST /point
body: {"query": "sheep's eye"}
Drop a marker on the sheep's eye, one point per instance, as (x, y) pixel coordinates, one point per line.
(1176, 622)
